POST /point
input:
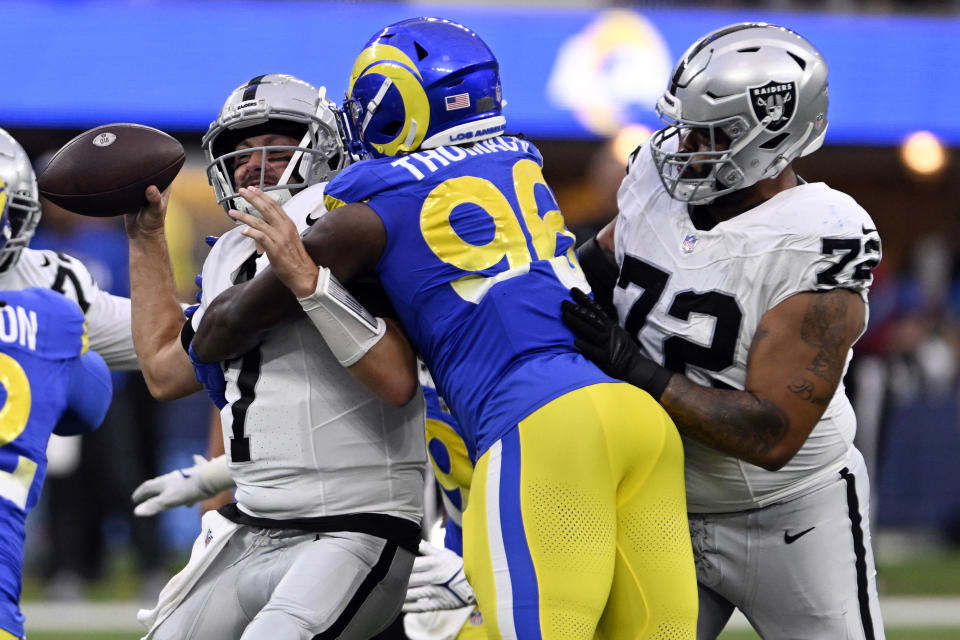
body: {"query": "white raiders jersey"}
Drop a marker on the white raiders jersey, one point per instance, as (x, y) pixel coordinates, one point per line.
(303, 438)
(107, 316)
(694, 298)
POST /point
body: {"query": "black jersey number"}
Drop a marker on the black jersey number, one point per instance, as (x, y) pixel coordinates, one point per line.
(246, 385)
(250, 364)
(679, 352)
(65, 273)
(849, 250)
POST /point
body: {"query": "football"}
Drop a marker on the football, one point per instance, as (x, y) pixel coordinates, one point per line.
(105, 171)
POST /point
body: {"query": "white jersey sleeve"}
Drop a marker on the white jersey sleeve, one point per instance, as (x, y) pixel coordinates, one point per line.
(695, 297)
(825, 241)
(107, 315)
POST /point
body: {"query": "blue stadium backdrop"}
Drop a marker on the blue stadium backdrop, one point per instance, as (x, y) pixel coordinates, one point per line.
(567, 73)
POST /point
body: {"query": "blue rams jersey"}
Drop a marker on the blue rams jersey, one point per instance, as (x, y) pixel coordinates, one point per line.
(42, 336)
(477, 262)
(452, 466)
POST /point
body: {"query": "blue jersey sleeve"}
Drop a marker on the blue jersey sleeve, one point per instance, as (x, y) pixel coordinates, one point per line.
(89, 393)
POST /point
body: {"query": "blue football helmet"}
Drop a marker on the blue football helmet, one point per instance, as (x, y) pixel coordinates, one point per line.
(423, 83)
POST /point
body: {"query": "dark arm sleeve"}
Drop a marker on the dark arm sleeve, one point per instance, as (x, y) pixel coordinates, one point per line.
(601, 272)
(89, 393)
(368, 291)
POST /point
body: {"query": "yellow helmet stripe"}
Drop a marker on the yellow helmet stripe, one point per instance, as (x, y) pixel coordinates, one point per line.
(394, 64)
(375, 54)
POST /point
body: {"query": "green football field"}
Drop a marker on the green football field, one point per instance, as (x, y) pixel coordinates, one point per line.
(925, 577)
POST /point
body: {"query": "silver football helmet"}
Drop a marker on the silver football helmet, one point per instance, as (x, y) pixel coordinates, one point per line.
(754, 96)
(275, 104)
(23, 200)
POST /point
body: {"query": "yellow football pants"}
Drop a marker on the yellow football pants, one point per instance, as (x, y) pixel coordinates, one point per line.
(577, 526)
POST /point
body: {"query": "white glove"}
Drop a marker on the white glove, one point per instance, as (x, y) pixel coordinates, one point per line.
(437, 581)
(205, 479)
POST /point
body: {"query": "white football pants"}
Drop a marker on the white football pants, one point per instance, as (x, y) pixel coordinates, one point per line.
(278, 584)
(801, 569)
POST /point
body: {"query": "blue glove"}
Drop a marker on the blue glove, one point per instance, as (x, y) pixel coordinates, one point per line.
(198, 280)
(211, 240)
(189, 311)
(210, 375)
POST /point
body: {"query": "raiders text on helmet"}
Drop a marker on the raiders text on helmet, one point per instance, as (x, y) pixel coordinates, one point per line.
(760, 86)
(275, 104)
(423, 83)
(22, 199)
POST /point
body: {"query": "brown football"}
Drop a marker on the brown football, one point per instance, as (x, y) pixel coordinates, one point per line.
(105, 171)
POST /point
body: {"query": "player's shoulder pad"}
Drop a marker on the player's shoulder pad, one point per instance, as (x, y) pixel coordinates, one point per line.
(222, 263)
(529, 148)
(820, 239)
(46, 259)
(358, 182)
(813, 211)
(641, 184)
(45, 300)
(225, 245)
(639, 155)
(301, 207)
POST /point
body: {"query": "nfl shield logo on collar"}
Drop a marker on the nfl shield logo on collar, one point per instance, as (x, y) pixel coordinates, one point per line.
(688, 243)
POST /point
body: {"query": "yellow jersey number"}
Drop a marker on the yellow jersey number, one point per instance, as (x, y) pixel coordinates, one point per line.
(515, 232)
(14, 413)
(454, 469)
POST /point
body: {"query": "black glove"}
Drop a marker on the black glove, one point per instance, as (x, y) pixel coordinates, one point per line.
(610, 347)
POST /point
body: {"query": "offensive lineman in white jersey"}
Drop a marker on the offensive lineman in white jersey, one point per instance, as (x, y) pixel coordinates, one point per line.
(107, 315)
(329, 474)
(749, 287)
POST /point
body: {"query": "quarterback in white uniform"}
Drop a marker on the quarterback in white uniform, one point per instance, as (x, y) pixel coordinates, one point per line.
(752, 285)
(329, 473)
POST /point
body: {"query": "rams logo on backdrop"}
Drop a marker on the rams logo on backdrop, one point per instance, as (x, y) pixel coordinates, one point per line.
(394, 69)
(776, 100)
(610, 74)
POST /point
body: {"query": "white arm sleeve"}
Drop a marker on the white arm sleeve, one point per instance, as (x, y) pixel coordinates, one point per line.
(346, 326)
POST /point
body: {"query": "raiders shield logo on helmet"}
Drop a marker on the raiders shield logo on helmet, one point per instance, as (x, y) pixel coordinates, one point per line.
(776, 100)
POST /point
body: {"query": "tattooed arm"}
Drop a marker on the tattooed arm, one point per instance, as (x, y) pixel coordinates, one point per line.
(795, 364)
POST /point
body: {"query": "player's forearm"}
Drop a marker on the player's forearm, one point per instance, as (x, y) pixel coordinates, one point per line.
(599, 264)
(389, 369)
(236, 320)
(156, 319)
(738, 423)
